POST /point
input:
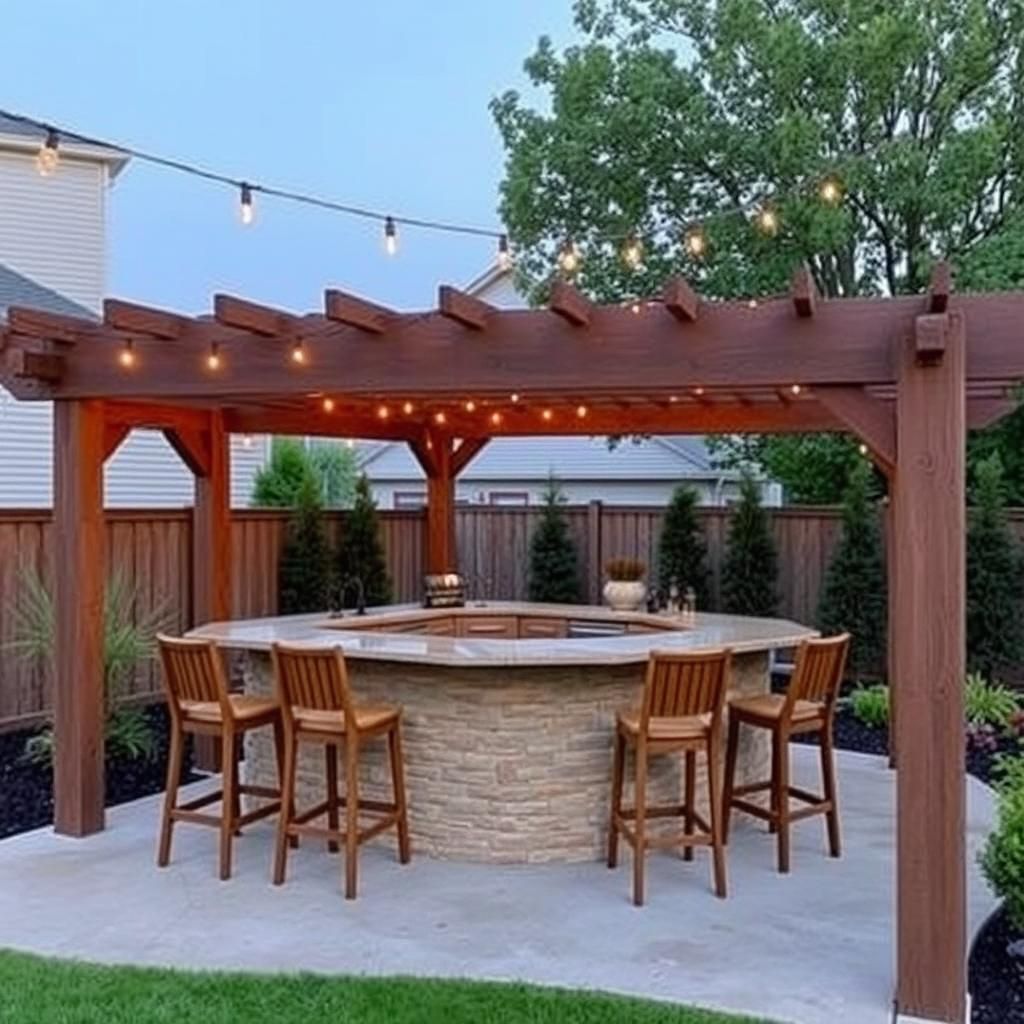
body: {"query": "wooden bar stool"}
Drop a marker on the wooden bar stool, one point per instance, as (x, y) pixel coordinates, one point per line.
(200, 703)
(682, 711)
(809, 705)
(317, 707)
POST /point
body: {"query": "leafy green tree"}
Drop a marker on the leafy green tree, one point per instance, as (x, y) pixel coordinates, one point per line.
(554, 572)
(995, 593)
(853, 598)
(304, 568)
(278, 483)
(671, 113)
(361, 553)
(750, 570)
(336, 467)
(682, 552)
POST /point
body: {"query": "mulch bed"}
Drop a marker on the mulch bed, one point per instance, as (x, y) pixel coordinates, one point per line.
(26, 788)
(995, 977)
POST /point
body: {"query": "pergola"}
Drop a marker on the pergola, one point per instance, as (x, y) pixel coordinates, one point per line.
(907, 375)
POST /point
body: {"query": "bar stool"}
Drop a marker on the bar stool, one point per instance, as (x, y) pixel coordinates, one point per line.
(317, 707)
(200, 703)
(682, 712)
(809, 705)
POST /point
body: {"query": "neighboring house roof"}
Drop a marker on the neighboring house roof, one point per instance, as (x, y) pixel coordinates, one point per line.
(18, 290)
(24, 135)
(567, 458)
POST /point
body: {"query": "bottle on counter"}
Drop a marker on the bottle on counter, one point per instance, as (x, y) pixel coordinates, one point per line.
(673, 598)
(690, 604)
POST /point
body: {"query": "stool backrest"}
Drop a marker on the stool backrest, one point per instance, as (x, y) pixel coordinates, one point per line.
(193, 673)
(680, 684)
(311, 680)
(818, 671)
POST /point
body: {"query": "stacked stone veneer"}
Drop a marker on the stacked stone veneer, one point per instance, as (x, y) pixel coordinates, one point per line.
(503, 764)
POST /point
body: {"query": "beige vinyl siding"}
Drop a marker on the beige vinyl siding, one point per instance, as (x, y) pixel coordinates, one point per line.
(52, 229)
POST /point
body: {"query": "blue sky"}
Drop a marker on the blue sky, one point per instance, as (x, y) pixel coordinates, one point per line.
(382, 104)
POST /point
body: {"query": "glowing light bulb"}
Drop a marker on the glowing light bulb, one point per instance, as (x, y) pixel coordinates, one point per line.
(48, 158)
(698, 392)
(496, 418)
(247, 441)
(514, 397)
(328, 404)
(213, 360)
(439, 418)
(569, 258)
(633, 252)
(673, 399)
(383, 412)
(863, 449)
(795, 389)
(547, 415)
(126, 357)
(390, 237)
(245, 209)
(767, 221)
(696, 242)
(298, 353)
(470, 406)
(831, 191)
(581, 411)
(635, 308)
(407, 408)
(504, 255)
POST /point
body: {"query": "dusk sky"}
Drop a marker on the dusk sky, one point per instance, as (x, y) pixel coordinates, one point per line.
(382, 104)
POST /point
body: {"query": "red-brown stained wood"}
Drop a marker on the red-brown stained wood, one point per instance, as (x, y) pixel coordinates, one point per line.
(463, 308)
(927, 563)
(930, 337)
(354, 311)
(44, 366)
(872, 420)
(940, 288)
(681, 300)
(440, 555)
(38, 323)
(136, 319)
(803, 291)
(570, 304)
(251, 316)
(79, 707)
(468, 449)
(192, 446)
(211, 559)
(114, 435)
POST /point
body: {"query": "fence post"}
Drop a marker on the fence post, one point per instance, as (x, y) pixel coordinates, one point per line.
(594, 517)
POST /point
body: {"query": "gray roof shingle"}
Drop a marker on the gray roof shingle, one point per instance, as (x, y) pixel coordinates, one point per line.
(18, 290)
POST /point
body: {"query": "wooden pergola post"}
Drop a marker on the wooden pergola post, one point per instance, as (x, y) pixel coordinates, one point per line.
(928, 569)
(211, 543)
(79, 551)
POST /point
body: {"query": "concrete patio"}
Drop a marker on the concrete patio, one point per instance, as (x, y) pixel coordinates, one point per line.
(814, 947)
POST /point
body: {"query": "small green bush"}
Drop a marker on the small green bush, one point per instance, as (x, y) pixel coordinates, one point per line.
(988, 703)
(870, 705)
(1002, 859)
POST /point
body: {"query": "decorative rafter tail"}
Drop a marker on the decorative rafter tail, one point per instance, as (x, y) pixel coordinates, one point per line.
(37, 323)
(43, 366)
(570, 304)
(803, 291)
(353, 311)
(681, 300)
(930, 332)
(129, 316)
(940, 287)
(463, 308)
(251, 316)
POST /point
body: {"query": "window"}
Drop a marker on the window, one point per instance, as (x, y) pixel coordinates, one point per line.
(508, 498)
(410, 499)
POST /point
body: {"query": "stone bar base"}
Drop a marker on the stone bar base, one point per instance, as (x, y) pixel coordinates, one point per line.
(505, 764)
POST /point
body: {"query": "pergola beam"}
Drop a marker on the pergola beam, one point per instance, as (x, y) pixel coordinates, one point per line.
(680, 300)
(871, 419)
(940, 288)
(463, 308)
(252, 316)
(570, 304)
(803, 291)
(353, 311)
(158, 323)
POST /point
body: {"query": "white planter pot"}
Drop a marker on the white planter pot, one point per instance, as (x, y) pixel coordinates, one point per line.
(625, 595)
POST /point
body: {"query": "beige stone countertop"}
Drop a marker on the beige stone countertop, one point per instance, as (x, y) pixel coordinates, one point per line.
(355, 636)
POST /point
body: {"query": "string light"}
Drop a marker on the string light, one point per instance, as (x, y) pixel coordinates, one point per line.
(213, 359)
(439, 418)
(383, 412)
(245, 210)
(696, 241)
(831, 191)
(795, 389)
(407, 408)
(470, 406)
(504, 256)
(698, 392)
(547, 415)
(633, 252)
(328, 404)
(496, 418)
(863, 449)
(514, 397)
(569, 258)
(298, 352)
(126, 357)
(767, 221)
(390, 236)
(672, 399)
(581, 411)
(48, 158)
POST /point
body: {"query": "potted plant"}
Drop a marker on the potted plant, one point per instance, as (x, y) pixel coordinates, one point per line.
(625, 590)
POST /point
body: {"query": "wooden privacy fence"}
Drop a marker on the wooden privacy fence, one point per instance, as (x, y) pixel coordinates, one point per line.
(152, 550)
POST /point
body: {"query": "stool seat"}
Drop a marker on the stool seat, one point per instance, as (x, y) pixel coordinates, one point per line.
(368, 719)
(678, 729)
(769, 707)
(244, 708)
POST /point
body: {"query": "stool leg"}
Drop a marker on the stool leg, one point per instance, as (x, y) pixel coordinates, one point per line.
(828, 775)
(782, 798)
(287, 808)
(351, 814)
(229, 802)
(715, 799)
(773, 789)
(398, 788)
(331, 766)
(639, 824)
(618, 770)
(236, 803)
(731, 751)
(174, 755)
(689, 799)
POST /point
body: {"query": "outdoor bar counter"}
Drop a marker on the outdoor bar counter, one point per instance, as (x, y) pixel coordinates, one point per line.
(509, 712)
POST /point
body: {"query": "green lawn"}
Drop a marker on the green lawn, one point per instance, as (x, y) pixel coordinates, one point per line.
(39, 991)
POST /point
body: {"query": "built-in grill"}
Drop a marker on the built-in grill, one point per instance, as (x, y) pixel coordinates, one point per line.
(444, 590)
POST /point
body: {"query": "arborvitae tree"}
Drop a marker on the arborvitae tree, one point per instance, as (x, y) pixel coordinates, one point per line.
(554, 576)
(682, 553)
(853, 599)
(361, 554)
(995, 596)
(750, 570)
(304, 569)
(278, 483)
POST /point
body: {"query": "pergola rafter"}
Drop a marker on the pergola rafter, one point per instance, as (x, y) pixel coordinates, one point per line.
(906, 375)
